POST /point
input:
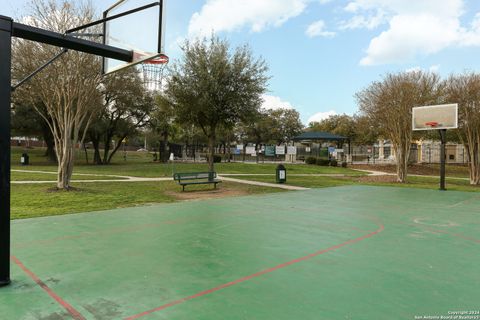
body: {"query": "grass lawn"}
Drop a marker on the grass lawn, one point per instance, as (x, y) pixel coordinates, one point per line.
(324, 182)
(34, 200)
(36, 176)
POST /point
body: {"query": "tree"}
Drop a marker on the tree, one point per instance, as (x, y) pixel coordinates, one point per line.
(67, 88)
(285, 125)
(257, 129)
(212, 87)
(366, 130)
(162, 124)
(389, 104)
(343, 125)
(464, 89)
(26, 121)
(126, 108)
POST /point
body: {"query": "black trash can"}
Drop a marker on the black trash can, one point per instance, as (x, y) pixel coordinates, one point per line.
(25, 159)
(281, 174)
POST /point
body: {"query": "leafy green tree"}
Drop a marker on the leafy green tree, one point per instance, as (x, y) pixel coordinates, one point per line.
(285, 124)
(26, 121)
(162, 124)
(212, 87)
(126, 108)
(343, 125)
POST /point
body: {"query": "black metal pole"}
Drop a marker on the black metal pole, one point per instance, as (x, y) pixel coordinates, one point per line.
(5, 92)
(58, 55)
(443, 133)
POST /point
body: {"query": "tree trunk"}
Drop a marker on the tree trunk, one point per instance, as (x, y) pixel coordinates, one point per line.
(106, 150)
(86, 152)
(164, 156)
(117, 146)
(50, 142)
(97, 159)
(211, 151)
(402, 154)
(473, 153)
(65, 163)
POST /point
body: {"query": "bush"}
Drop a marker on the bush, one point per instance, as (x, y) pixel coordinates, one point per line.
(311, 160)
(333, 163)
(323, 162)
(344, 164)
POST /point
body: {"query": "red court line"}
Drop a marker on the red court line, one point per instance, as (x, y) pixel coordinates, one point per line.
(74, 313)
(283, 265)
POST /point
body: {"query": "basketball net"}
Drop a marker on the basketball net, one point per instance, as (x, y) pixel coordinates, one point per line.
(152, 72)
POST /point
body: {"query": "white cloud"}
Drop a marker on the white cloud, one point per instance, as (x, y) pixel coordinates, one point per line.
(370, 21)
(433, 68)
(319, 116)
(317, 29)
(274, 102)
(409, 36)
(414, 28)
(414, 69)
(233, 15)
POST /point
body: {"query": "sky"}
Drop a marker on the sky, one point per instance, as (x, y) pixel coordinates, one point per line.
(321, 52)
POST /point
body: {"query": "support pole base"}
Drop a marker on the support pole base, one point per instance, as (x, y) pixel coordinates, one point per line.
(4, 282)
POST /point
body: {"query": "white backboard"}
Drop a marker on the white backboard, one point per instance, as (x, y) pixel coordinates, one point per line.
(435, 117)
(141, 32)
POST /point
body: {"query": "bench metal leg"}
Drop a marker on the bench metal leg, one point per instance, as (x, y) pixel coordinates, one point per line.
(183, 186)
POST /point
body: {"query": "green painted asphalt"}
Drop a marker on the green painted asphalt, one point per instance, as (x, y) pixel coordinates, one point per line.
(351, 252)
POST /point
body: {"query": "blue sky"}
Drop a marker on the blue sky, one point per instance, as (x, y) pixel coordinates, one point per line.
(321, 52)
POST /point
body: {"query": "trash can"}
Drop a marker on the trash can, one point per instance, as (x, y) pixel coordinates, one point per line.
(281, 174)
(24, 160)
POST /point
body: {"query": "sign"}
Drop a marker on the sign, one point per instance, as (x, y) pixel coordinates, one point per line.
(250, 150)
(239, 146)
(235, 151)
(339, 150)
(280, 150)
(331, 149)
(269, 151)
(291, 150)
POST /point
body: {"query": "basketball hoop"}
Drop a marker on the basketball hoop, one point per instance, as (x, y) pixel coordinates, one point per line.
(432, 124)
(152, 71)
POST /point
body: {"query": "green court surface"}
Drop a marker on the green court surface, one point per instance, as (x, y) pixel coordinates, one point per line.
(353, 252)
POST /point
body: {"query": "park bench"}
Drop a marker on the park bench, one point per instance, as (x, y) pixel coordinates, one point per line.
(185, 179)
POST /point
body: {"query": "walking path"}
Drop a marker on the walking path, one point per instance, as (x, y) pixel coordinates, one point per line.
(225, 176)
(264, 184)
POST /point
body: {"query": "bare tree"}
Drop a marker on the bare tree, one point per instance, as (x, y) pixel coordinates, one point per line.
(68, 88)
(464, 89)
(389, 104)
